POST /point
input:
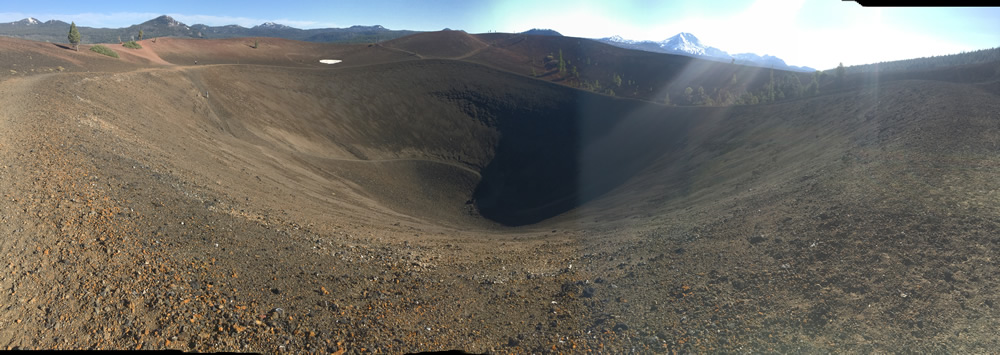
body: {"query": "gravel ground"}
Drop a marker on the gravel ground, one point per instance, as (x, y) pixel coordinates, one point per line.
(138, 213)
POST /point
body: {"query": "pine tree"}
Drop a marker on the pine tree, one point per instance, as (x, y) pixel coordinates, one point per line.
(74, 36)
(791, 86)
(140, 35)
(562, 63)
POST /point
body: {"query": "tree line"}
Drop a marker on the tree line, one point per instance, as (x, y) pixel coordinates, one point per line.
(74, 38)
(746, 86)
(951, 60)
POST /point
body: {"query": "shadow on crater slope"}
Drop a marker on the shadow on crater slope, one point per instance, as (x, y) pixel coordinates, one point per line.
(561, 148)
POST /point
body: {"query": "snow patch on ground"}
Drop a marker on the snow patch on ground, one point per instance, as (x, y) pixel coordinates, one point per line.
(330, 61)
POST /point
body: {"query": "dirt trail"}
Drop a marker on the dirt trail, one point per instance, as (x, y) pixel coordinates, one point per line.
(399, 50)
(147, 53)
(477, 50)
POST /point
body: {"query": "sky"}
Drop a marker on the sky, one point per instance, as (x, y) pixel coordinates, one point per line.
(815, 33)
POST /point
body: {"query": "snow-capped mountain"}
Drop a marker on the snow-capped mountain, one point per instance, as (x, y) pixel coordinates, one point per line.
(28, 21)
(687, 44)
(683, 43)
(767, 60)
(272, 26)
(617, 39)
(166, 22)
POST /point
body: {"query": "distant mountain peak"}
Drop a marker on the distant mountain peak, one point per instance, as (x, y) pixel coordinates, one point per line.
(542, 32)
(616, 39)
(363, 27)
(765, 60)
(165, 20)
(688, 43)
(28, 21)
(685, 43)
(272, 26)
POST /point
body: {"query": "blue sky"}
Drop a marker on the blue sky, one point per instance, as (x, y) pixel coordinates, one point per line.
(815, 33)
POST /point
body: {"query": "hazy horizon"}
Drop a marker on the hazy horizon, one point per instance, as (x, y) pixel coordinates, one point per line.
(818, 34)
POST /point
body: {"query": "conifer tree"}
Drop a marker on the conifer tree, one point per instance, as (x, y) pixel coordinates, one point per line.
(562, 63)
(74, 36)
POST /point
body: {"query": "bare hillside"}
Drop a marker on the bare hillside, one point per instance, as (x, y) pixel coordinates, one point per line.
(401, 201)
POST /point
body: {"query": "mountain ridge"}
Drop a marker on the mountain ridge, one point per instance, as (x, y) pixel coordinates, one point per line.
(542, 32)
(166, 26)
(685, 43)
